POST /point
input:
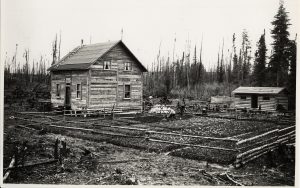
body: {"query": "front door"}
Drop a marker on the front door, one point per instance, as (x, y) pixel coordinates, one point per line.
(254, 101)
(68, 97)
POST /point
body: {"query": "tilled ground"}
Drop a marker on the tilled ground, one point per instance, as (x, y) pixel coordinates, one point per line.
(160, 168)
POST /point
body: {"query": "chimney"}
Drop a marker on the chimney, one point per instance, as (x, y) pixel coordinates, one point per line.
(81, 42)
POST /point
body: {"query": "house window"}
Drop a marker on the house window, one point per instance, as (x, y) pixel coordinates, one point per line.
(78, 91)
(243, 97)
(127, 92)
(266, 98)
(107, 65)
(127, 66)
(57, 90)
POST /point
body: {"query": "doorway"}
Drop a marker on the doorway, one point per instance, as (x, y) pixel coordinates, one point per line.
(68, 97)
(254, 101)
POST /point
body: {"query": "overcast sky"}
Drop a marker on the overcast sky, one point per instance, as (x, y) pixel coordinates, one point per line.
(33, 24)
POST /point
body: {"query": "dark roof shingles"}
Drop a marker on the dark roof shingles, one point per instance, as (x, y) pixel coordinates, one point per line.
(82, 57)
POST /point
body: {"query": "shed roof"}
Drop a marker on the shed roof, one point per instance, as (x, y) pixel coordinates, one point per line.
(258, 90)
(82, 57)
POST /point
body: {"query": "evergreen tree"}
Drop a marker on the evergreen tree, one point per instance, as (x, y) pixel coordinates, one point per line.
(292, 75)
(259, 71)
(279, 61)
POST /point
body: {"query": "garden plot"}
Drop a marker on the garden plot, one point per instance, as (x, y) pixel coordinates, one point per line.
(201, 138)
(197, 138)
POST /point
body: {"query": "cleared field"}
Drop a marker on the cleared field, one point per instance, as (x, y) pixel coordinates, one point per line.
(205, 139)
(201, 138)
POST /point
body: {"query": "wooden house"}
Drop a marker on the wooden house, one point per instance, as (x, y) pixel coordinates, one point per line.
(264, 98)
(98, 76)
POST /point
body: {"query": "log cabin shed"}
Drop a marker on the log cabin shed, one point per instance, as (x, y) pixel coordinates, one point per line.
(98, 76)
(268, 98)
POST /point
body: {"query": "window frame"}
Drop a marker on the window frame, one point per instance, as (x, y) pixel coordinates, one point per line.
(109, 65)
(127, 91)
(243, 97)
(129, 67)
(266, 98)
(79, 91)
(58, 90)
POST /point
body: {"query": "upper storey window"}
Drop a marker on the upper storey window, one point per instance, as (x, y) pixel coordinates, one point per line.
(107, 65)
(127, 66)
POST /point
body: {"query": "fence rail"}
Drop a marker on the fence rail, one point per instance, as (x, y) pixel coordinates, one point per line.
(254, 147)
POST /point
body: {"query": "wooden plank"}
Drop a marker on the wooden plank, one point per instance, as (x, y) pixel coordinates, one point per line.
(11, 164)
(193, 136)
(287, 134)
(257, 149)
(191, 145)
(33, 164)
(258, 136)
(259, 143)
(287, 128)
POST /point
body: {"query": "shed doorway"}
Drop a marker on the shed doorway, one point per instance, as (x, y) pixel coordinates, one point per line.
(254, 101)
(68, 97)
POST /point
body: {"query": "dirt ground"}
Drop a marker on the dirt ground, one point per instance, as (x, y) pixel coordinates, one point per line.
(110, 163)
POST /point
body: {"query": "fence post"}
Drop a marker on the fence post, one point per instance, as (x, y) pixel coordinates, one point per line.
(56, 149)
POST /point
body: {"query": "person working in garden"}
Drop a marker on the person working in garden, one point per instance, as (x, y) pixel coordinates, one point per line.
(181, 106)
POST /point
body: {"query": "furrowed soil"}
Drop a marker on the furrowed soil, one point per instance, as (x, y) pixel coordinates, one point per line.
(113, 160)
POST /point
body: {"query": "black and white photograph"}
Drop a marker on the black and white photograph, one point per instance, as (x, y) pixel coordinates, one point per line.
(148, 92)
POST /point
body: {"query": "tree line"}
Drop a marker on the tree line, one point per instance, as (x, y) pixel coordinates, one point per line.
(22, 72)
(188, 77)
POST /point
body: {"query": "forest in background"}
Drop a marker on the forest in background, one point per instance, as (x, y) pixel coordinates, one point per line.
(187, 76)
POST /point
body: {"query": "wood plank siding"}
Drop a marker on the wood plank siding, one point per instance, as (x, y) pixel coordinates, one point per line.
(107, 86)
(75, 77)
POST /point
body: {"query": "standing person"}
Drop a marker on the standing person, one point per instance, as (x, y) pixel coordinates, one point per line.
(182, 107)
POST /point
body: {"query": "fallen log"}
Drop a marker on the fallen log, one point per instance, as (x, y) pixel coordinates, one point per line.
(29, 128)
(12, 163)
(192, 145)
(124, 161)
(174, 150)
(232, 180)
(32, 164)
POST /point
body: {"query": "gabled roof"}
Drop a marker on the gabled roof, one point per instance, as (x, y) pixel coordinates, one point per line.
(81, 58)
(258, 90)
